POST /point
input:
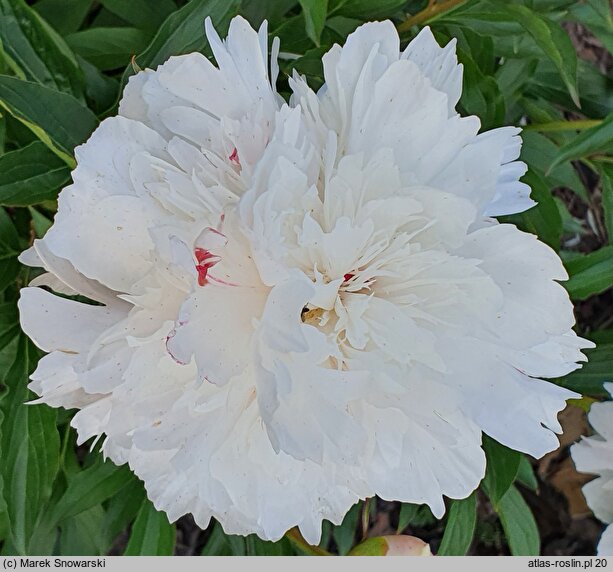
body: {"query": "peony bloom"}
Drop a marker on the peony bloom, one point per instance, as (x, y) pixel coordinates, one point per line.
(299, 306)
(595, 455)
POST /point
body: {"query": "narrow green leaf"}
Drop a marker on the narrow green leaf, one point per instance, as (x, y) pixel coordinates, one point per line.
(257, 11)
(108, 48)
(590, 274)
(550, 37)
(519, 524)
(122, 510)
(460, 527)
(606, 177)
(80, 534)
(257, 547)
(30, 450)
(598, 139)
(216, 544)
(35, 51)
(100, 89)
(596, 88)
(366, 9)
(544, 219)
(480, 94)
(182, 32)
(525, 474)
(152, 534)
(237, 545)
(315, 12)
(539, 152)
(90, 487)
(143, 14)
(502, 467)
(65, 16)
(56, 118)
(31, 175)
(407, 513)
(9, 250)
(4, 515)
(590, 378)
(344, 534)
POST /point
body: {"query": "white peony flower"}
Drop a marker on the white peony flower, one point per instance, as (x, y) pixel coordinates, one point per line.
(303, 305)
(595, 455)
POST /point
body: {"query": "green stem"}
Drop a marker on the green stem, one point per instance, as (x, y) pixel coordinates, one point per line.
(553, 126)
(602, 159)
(301, 544)
(430, 11)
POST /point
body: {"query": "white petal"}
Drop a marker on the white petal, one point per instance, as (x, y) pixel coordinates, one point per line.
(56, 323)
(440, 65)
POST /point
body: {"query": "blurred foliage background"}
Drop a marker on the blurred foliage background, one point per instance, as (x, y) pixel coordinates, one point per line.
(541, 64)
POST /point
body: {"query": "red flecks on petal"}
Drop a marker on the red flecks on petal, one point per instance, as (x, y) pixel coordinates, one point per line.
(234, 157)
(221, 281)
(169, 337)
(206, 260)
(348, 276)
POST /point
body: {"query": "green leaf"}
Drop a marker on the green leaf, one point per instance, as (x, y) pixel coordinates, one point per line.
(365, 9)
(407, 513)
(4, 515)
(257, 547)
(9, 332)
(152, 534)
(599, 369)
(56, 118)
(217, 543)
(66, 16)
(35, 51)
(596, 88)
(9, 250)
(30, 450)
(293, 39)
(122, 509)
(108, 48)
(512, 77)
(182, 32)
(90, 487)
(606, 175)
(502, 467)
(539, 152)
(100, 89)
(544, 219)
(257, 11)
(344, 534)
(141, 13)
(480, 94)
(525, 474)
(30, 175)
(315, 12)
(80, 534)
(551, 38)
(460, 527)
(598, 139)
(519, 524)
(590, 274)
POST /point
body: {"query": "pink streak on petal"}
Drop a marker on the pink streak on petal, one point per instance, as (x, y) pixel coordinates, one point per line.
(169, 337)
(234, 157)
